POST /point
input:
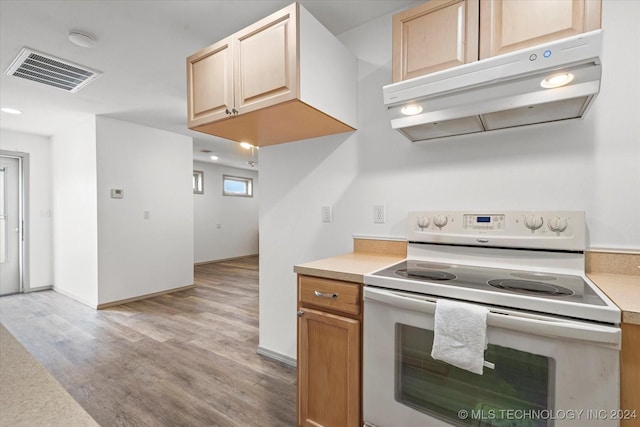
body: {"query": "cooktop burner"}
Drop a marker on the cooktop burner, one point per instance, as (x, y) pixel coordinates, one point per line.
(437, 277)
(529, 287)
(425, 274)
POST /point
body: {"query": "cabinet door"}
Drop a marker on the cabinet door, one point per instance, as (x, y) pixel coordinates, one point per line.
(433, 36)
(507, 25)
(209, 83)
(630, 375)
(328, 370)
(266, 68)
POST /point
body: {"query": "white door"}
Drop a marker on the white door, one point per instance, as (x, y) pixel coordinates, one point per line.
(10, 225)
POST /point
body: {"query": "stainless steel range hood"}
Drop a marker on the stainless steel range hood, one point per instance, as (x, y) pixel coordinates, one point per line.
(500, 92)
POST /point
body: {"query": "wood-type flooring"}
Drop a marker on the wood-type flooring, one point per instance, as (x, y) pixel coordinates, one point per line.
(181, 359)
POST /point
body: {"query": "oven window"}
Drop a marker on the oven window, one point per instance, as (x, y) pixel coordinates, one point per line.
(510, 394)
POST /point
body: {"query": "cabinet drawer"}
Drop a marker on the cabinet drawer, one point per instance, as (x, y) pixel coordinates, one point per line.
(327, 293)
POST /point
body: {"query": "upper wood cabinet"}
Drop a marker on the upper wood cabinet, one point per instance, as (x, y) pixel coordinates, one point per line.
(507, 25)
(282, 79)
(210, 83)
(433, 36)
(442, 34)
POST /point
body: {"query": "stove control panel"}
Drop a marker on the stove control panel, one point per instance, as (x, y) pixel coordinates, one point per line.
(561, 230)
(483, 222)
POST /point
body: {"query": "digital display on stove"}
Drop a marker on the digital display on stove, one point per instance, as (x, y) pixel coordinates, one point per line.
(483, 219)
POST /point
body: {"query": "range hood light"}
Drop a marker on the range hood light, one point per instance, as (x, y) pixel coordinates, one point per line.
(556, 80)
(411, 110)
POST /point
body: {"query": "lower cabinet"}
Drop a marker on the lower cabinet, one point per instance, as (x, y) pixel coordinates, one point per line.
(630, 376)
(329, 353)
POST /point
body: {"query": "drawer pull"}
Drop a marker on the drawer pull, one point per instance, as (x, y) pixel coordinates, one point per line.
(325, 295)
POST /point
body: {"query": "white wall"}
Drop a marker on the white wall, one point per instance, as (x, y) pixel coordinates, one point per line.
(591, 164)
(75, 224)
(237, 216)
(140, 256)
(40, 272)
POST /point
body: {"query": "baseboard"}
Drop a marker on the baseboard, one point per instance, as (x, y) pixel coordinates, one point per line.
(277, 356)
(146, 296)
(224, 259)
(38, 289)
(73, 297)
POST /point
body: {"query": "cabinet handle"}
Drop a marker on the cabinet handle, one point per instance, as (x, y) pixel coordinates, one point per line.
(325, 295)
(227, 111)
(300, 313)
(234, 111)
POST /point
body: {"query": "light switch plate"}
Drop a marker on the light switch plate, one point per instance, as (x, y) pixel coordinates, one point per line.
(326, 213)
(378, 214)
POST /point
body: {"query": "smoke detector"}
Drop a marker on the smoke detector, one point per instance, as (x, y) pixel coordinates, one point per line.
(51, 71)
(81, 39)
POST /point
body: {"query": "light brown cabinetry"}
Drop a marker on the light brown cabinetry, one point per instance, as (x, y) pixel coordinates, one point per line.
(507, 25)
(433, 36)
(329, 352)
(630, 374)
(442, 34)
(281, 79)
(210, 84)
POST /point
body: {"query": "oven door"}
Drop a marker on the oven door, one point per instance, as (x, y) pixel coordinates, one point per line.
(548, 371)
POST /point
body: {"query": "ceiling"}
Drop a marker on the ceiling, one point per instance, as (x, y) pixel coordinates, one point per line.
(141, 50)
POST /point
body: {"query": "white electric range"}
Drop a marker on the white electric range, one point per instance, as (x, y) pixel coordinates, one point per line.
(553, 336)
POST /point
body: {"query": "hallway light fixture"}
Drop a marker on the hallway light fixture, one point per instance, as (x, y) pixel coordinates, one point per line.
(10, 110)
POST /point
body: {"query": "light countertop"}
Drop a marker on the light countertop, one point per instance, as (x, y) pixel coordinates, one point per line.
(30, 395)
(623, 290)
(349, 267)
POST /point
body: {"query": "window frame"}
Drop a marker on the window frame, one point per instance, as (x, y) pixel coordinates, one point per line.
(198, 182)
(248, 185)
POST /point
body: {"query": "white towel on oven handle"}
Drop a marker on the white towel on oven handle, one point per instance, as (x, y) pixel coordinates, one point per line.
(460, 335)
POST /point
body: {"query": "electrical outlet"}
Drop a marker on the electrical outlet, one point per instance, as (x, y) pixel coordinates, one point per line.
(325, 212)
(378, 214)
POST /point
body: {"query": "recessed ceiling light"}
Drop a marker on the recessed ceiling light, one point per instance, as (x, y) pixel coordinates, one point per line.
(10, 110)
(246, 145)
(214, 157)
(556, 80)
(411, 110)
(81, 39)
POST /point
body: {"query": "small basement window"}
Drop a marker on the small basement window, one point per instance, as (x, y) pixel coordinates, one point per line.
(237, 186)
(198, 182)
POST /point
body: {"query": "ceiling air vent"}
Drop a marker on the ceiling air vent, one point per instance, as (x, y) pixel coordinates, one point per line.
(51, 71)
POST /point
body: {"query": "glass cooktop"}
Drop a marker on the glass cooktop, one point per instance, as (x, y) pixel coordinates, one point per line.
(515, 282)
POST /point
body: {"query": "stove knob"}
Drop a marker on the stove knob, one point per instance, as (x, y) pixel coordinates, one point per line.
(557, 224)
(423, 222)
(533, 222)
(440, 221)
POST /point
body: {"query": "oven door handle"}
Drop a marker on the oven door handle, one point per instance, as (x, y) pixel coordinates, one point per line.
(608, 336)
